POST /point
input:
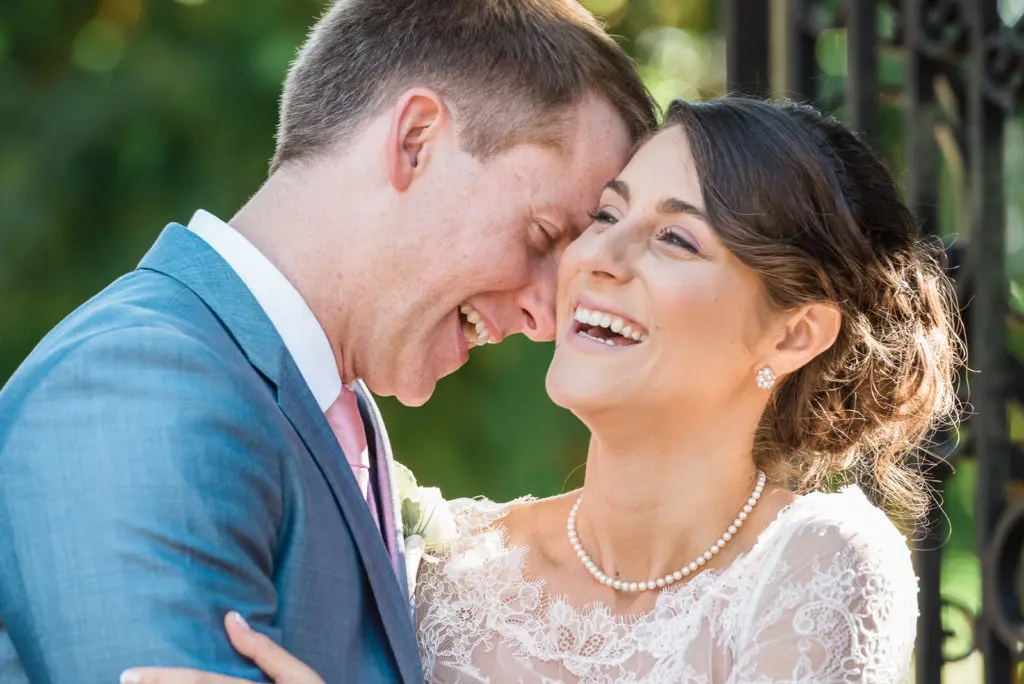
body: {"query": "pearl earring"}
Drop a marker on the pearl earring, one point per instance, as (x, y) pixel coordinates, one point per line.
(765, 378)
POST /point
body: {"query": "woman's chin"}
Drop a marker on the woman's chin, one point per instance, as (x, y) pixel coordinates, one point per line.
(581, 391)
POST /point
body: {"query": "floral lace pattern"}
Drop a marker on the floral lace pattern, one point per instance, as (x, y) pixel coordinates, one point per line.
(827, 594)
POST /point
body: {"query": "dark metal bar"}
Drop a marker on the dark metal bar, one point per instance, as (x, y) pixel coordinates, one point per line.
(747, 53)
(801, 62)
(922, 162)
(987, 251)
(950, 45)
(928, 565)
(862, 69)
(922, 116)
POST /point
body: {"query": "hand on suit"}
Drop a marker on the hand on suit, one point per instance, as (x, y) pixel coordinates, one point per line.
(280, 665)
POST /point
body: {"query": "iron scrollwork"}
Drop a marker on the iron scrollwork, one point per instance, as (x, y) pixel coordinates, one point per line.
(964, 76)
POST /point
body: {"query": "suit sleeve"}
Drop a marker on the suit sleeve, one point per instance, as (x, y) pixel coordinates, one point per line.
(140, 500)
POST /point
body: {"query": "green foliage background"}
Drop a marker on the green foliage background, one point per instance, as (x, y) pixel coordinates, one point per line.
(119, 116)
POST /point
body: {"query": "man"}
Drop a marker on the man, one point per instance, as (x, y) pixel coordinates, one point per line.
(196, 438)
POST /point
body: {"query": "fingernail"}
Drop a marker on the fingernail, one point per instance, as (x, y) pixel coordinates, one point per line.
(131, 677)
(239, 620)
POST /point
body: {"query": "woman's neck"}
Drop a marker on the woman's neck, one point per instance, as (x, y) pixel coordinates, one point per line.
(653, 500)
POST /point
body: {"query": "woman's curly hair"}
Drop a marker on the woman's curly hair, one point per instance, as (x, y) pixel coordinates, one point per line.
(813, 210)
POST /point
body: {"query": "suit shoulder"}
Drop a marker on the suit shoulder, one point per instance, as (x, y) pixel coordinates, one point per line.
(142, 300)
(140, 311)
(145, 338)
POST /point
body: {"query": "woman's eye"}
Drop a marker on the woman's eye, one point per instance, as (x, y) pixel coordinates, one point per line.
(602, 216)
(676, 239)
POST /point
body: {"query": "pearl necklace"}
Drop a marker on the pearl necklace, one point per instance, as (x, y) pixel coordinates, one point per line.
(676, 576)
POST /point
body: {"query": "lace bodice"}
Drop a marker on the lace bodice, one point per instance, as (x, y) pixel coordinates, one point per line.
(827, 594)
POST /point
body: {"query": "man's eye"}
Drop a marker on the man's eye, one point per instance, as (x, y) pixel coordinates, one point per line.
(545, 238)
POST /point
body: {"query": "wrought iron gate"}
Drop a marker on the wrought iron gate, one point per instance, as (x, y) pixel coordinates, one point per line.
(963, 75)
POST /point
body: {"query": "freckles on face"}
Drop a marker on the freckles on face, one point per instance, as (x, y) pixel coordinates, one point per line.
(565, 185)
(533, 201)
(488, 234)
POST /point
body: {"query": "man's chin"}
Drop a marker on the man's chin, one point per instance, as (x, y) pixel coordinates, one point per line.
(413, 401)
(418, 395)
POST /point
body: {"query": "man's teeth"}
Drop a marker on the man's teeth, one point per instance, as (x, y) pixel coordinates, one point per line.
(613, 323)
(483, 335)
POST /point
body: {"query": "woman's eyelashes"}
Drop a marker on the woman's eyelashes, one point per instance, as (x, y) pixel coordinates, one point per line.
(674, 237)
(602, 215)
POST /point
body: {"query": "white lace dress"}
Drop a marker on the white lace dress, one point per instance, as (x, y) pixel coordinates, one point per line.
(828, 594)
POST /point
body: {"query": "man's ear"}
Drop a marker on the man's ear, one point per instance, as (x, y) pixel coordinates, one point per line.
(418, 120)
(806, 333)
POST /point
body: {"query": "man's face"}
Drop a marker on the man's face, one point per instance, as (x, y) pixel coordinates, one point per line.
(492, 234)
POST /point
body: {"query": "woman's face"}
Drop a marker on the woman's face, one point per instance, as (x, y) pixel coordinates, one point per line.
(651, 267)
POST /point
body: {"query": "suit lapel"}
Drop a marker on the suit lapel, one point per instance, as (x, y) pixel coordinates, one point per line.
(184, 256)
(312, 426)
(390, 504)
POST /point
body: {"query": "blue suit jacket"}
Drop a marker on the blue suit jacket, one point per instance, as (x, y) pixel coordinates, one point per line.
(162, 461)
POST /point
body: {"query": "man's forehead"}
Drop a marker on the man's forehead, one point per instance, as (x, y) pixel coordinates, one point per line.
(568, 187)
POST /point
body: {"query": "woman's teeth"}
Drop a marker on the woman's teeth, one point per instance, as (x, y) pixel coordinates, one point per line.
(584, 333)
(598, 319)
(476, 332)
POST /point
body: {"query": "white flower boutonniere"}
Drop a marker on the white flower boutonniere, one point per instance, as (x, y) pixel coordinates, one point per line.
(427, 521)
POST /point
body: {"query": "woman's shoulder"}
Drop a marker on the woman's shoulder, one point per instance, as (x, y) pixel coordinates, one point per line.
(521, 519)
(480, 528)
(830, 593)
(847, 512)
(496, 536)
(842, 528)
(480, 515)
(480, 559)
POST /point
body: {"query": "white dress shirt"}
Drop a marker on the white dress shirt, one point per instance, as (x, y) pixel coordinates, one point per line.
(284, 306)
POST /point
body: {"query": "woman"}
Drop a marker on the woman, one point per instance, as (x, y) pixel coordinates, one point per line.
(751, 319)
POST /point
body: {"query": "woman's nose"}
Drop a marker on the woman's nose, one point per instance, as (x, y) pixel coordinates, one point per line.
(606, 254)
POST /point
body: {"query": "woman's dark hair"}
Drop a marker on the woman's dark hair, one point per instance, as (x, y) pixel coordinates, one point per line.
(813, 210)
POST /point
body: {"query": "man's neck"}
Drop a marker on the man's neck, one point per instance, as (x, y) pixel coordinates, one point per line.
(288, 222)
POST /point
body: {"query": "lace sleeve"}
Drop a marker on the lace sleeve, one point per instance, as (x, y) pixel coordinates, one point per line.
(839, 605)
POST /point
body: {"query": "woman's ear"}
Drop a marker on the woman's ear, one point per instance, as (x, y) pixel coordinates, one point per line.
(805, 334)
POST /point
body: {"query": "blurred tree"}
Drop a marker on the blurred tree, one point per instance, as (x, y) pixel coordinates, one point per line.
(119, 116)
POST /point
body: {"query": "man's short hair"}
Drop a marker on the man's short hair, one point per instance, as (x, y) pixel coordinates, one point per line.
(513, 70)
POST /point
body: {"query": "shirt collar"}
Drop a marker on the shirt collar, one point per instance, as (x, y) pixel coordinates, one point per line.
(287, 310)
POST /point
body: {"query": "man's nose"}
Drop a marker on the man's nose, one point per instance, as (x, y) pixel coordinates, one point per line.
(537, 305)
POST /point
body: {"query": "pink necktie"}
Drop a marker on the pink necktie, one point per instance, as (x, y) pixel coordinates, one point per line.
(344, 419)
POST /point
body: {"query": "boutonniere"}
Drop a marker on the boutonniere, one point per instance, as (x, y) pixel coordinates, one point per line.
(427, 521)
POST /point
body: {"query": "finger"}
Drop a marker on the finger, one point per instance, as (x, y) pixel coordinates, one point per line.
(174, 675)
(280, 665)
